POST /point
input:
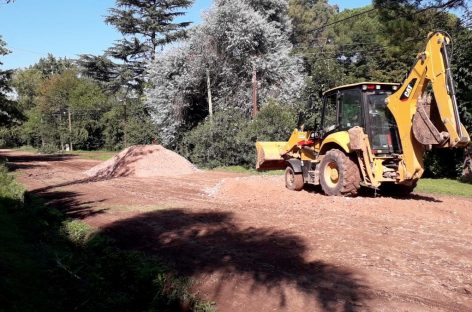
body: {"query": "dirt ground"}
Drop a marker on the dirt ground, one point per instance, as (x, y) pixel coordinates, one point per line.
(252, 245)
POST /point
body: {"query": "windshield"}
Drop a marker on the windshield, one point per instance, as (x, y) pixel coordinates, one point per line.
(383, 129)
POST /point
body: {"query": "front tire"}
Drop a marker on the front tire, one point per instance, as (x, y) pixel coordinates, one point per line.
(339, 174)
(293, 181)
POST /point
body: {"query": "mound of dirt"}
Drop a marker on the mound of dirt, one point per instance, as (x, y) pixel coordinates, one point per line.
(143, 161)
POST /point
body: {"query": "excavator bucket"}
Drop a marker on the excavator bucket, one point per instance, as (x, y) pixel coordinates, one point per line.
(269, 155)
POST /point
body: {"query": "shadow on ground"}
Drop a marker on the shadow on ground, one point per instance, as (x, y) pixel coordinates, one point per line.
(371, 193)
(35, 158)
(68, 203)
(367, 192)
(198, 243)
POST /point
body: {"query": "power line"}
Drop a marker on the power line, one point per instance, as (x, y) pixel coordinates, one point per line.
(344, 19)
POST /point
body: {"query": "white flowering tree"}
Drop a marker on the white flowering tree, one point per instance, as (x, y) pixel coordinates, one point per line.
(236, 39)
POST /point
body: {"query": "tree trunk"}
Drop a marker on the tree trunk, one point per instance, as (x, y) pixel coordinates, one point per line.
(70, 129)
(60, 132)
(254, 92)
(125, 134)
(210, 103)
(41, 130)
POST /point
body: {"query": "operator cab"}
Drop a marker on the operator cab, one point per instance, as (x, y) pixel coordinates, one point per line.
(364, 105)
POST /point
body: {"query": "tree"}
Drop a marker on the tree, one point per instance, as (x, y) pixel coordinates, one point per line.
(9, 113)
(308, 18)
(146, 26)
(69, 110)
(314, 43)
(26, 83)
(238, 40)
(50, 65)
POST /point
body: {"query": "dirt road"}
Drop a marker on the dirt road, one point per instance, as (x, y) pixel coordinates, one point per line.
(252, 245)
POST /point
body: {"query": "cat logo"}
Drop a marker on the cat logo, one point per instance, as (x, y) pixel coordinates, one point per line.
(406, 94)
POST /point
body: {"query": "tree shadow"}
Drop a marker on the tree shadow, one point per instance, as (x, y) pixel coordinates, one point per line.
(20, 166)
(22, 162)
(35, 158)
(68, 203)
(211, 242)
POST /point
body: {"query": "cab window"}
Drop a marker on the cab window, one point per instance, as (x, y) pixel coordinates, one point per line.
(350, 110)
(330, 113)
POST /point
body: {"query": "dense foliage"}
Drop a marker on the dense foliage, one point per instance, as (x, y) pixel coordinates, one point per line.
(10, 114)
(229, 138)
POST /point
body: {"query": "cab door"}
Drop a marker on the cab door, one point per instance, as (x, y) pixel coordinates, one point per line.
(350, 109)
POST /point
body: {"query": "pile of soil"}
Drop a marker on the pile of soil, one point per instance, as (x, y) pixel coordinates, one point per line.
(143, 161)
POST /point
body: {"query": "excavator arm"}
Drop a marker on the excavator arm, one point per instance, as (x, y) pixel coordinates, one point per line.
(426, 121)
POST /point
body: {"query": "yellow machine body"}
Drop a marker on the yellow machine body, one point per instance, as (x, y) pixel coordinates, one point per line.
(422, 122)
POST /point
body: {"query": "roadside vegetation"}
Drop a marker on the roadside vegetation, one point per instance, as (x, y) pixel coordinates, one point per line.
(101, 155)
(444, 187)
(49, 262)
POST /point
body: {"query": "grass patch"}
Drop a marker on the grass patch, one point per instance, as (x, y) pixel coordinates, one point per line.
(241, 169)
(27, 148)
(444, 187)
(11, 193)
(95, 155)
(51, 263)
(101, 155)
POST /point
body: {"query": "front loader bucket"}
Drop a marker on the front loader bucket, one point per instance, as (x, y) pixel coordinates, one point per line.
(269, 156)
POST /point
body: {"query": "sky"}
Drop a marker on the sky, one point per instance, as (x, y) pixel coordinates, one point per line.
(34, 28)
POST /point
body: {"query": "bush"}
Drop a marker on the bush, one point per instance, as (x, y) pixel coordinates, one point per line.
(444, 163)
(10, 137)
(230, 138)
(77, 231)
(48, 148)
(214, 143)
(273, 123)
(11, 193)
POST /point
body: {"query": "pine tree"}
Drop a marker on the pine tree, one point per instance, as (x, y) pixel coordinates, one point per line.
(146, 26)
(308, 17)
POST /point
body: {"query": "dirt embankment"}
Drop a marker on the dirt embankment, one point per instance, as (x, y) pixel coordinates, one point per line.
(252, 245)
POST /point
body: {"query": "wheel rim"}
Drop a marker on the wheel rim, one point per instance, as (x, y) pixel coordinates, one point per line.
(331, 174)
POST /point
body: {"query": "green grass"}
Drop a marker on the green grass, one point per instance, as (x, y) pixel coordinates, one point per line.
(95, 155)
(101, 155)
(27, 148)
(444, 187)
(241, 169)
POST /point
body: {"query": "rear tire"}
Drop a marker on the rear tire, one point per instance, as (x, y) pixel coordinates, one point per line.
(339, 174)
(293, 181)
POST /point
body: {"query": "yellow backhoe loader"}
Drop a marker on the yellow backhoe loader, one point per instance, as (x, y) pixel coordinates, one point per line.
(375, 134)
